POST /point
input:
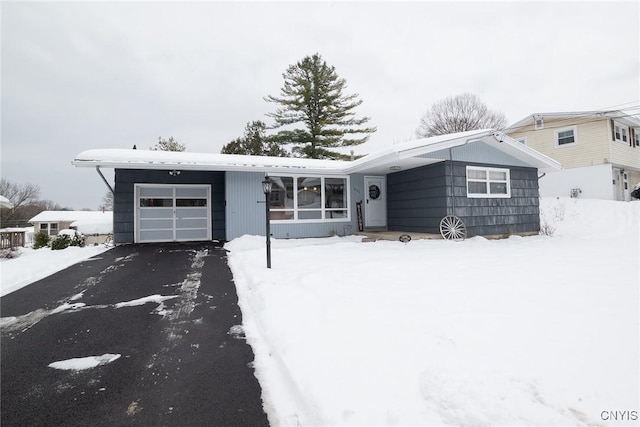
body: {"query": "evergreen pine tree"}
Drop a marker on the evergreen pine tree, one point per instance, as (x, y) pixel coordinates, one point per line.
(168, 145)
(313, 96)
(254, 142)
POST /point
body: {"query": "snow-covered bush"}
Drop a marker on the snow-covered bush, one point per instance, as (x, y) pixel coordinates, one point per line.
(67, 238)
(550, 216)
(40, 240)
(9, 253)
(62, 241)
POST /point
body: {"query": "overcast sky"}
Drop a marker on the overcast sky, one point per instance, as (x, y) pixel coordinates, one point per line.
(79, 76)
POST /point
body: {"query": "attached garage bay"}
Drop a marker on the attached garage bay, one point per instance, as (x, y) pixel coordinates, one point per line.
(172, 213)
(156, 206)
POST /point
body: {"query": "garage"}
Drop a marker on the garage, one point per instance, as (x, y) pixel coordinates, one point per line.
(172, 213)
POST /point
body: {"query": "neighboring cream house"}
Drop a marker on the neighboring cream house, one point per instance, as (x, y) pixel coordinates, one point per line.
(95, 225)
(599, 152)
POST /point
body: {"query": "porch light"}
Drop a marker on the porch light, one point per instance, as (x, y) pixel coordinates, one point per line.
(267, 186)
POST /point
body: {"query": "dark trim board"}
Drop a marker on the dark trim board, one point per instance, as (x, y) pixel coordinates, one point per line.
(419, 198)
(124, 203)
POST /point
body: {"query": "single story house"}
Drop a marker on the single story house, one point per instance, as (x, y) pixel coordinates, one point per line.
(95, 225)
(483, 177)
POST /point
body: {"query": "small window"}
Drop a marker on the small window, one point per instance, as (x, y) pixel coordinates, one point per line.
(620, 132)
(191, 203)
(488, 182)
(566, 136)
(156, 203)
(539, 123)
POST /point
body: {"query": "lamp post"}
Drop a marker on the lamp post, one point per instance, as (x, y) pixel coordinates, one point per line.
(267, 185)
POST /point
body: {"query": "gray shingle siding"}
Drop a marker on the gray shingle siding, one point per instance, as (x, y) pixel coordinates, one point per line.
(419, 198)
(123, 206)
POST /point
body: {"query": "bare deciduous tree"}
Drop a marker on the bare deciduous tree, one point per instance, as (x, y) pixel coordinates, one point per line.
(107, 201)
(459, 113)
(21, 196)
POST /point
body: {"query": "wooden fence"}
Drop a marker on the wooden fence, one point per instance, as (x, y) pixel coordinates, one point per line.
(12, 239)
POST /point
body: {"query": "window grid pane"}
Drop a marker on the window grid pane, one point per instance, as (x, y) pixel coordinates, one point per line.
(495, 183)
(313, 198)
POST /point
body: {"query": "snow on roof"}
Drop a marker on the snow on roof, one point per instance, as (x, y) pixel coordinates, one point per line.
(101, 225)
(404, 155)
(152, 159)
(5, 203)
(57, 216)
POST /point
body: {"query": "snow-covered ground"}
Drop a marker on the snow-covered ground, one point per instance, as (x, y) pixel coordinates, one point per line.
(522, 331)
(35, 264)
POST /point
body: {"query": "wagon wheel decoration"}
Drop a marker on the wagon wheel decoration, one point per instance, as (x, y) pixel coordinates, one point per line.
(452, 228)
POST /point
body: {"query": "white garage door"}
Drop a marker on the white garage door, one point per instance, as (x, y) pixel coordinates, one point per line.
(172, 213)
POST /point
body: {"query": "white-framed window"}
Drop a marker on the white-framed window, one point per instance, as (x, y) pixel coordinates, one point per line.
(566, 136)
(51, 228)
(538, 123)
(483, 182)
(620, 132)
(522, 140)
(636, 133)
(296, 198)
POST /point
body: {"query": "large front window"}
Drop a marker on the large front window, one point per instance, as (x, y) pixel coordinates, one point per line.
(309, 198)
(488, 182)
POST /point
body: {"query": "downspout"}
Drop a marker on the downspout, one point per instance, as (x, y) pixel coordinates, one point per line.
(453, 193)
(105, 180)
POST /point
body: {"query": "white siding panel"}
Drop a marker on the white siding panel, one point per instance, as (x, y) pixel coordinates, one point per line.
(594, 182)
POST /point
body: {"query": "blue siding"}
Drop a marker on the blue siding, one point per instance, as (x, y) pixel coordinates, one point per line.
(419, 198)
(124, 203)
(476, 152)
(245, 210)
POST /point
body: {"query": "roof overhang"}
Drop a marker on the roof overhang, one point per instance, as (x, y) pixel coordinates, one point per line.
(5, 203)
(408, 155)
(403, 156)
(619, 115)
(166, 160)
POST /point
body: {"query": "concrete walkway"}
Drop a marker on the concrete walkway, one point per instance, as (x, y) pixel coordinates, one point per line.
(183, 360)
(372, 236)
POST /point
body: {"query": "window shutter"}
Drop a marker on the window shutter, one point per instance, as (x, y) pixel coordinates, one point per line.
(613, 130)
(632, 137)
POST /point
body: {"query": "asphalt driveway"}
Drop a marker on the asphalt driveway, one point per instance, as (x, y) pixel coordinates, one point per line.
(168, 310)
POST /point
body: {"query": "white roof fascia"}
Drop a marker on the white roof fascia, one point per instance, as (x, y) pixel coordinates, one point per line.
(413, 149)
(5, 203)
(147, 159)
(613, 114)
(401, 154)
(523, 152)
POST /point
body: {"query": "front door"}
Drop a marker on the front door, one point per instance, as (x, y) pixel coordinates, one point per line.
(375, 210)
